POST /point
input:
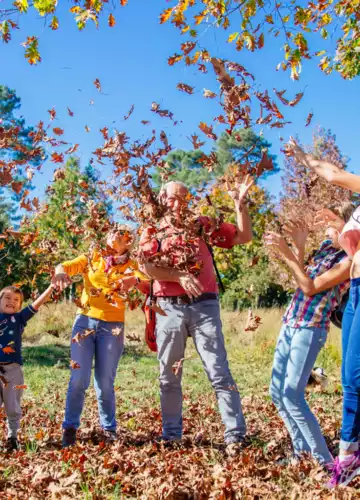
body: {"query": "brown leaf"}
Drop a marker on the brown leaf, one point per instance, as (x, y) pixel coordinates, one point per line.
(155, 307)
(185, 88)
(177, 366)
(74, 365)
(97, 84)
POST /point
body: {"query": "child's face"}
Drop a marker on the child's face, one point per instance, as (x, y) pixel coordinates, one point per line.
(10, 302)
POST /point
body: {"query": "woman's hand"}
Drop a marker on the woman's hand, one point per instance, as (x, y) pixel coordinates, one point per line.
(298, 232)
(61, 281)
(278, 243)
(127, 283)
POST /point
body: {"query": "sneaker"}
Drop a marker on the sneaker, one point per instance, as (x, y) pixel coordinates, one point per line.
(12, 444)
(69, 437)
(110, 435)
(343, 472)
(234, 449)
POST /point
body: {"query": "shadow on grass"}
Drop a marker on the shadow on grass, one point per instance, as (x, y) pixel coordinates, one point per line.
(59, 354)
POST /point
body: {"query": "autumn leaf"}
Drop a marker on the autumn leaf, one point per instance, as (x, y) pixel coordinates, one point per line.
(32, 53)
(208, 130)
(165, 15)
(74, 365)
(117, 331)
(87, 129)
(174, 59)
(97, 84)
(70, 113)
(130, 112)
(209, 94)
(253, 322)
(54, 25)
(254, 261)
(58, 131)
(72, 149)
(57, 158)
(52, 113)
(133, 337)
(185, 88)
(20, 387)
(308, 119)
(177, 366)
(123, 2)
(155, 307)
(17, 186)
(111, 21)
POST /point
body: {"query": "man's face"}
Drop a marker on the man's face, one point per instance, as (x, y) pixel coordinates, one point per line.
(10, 302)
(176, 198)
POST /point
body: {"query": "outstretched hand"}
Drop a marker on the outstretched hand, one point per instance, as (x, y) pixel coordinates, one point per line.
(61, 281)
(297, 231)
(278, 243)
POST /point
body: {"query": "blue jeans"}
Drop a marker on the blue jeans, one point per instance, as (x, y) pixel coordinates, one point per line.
(202, 322)
(350, 370)
(295, 355)
(107, 349)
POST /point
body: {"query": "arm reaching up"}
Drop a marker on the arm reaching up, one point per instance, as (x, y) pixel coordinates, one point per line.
(324, 169)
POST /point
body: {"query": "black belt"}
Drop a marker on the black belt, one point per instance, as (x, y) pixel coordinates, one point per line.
(185, 299)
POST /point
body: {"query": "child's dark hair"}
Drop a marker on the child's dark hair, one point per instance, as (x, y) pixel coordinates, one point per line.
(13, 289)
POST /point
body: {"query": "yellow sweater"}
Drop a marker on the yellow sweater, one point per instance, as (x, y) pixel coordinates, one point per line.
(97, 284)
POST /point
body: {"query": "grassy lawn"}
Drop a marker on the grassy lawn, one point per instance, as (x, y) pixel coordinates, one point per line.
(138, 467)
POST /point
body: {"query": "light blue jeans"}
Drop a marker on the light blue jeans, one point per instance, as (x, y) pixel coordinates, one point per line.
(202, 322)
(295, 355)
(107, 349)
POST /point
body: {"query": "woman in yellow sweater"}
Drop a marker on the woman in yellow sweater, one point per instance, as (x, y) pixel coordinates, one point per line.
(98, 330)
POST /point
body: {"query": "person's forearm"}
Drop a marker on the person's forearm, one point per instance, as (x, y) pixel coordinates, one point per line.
(297, 270)
(43, 298)
(299, 253)
(161, 273)
(243, 222)
(334, 174)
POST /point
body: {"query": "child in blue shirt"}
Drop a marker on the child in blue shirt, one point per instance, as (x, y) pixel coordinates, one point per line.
(13, 320)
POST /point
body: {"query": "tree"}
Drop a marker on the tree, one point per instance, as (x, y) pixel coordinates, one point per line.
(304, 193)
(241, 144)
(18, 149)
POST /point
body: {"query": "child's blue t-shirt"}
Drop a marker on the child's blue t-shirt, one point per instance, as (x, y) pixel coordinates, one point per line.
(11, 329)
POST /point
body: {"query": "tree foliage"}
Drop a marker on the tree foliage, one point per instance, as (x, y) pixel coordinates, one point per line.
(188, 167)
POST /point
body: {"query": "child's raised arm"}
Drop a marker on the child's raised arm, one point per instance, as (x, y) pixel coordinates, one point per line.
(43, 298)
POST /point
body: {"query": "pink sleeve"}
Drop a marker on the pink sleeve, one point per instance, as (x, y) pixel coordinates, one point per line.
(224, 236)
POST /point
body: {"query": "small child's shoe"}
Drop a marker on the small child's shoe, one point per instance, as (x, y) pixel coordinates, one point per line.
(344, 471)
(12, 444)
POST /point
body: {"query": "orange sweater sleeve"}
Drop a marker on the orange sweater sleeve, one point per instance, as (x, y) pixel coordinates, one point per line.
(75, 266)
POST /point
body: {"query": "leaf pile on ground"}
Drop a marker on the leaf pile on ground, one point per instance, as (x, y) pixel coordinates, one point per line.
(138, 465)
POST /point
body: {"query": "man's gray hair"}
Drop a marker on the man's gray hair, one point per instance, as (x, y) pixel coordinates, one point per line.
(165, 187)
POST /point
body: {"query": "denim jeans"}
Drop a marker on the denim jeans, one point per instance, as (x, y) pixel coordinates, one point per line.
(201, 321)
(107, 349)
(295, 355)
(350, 370)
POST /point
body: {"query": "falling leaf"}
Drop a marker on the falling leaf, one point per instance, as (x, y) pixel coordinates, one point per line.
(17, 186)
(155, 307)
(111, 21)
(57, 158)
(177, 366)
(52, 113)
(58, 131)
(72, 149)
(20, 387)
(130, 112)
(97, 84)
(70, 113)
(254, 261)
(74, 365)
(32, 51)
(54, 25)
(209, 94)
(165, 15)
(87, 128)
(117, 331)
(308, 119)
(253, 322)
(133, 337)
(208, 130)
(185, 88)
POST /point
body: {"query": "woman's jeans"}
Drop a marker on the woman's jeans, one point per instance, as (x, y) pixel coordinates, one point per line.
(350, 370)
(107, 349)
(295, 355)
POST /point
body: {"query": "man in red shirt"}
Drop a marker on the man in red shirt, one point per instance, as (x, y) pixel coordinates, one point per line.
(192, 308)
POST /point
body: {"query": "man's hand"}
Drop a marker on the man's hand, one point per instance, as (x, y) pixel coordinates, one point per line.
(191, 285)
(240, 190)
(326, 217)
(297, 231)
(277, 242)
(61, 281)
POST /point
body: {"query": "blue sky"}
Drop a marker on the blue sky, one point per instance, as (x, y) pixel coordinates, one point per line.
(131, 62)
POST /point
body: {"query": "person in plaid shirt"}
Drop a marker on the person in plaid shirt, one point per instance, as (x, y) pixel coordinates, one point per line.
(321, 286)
